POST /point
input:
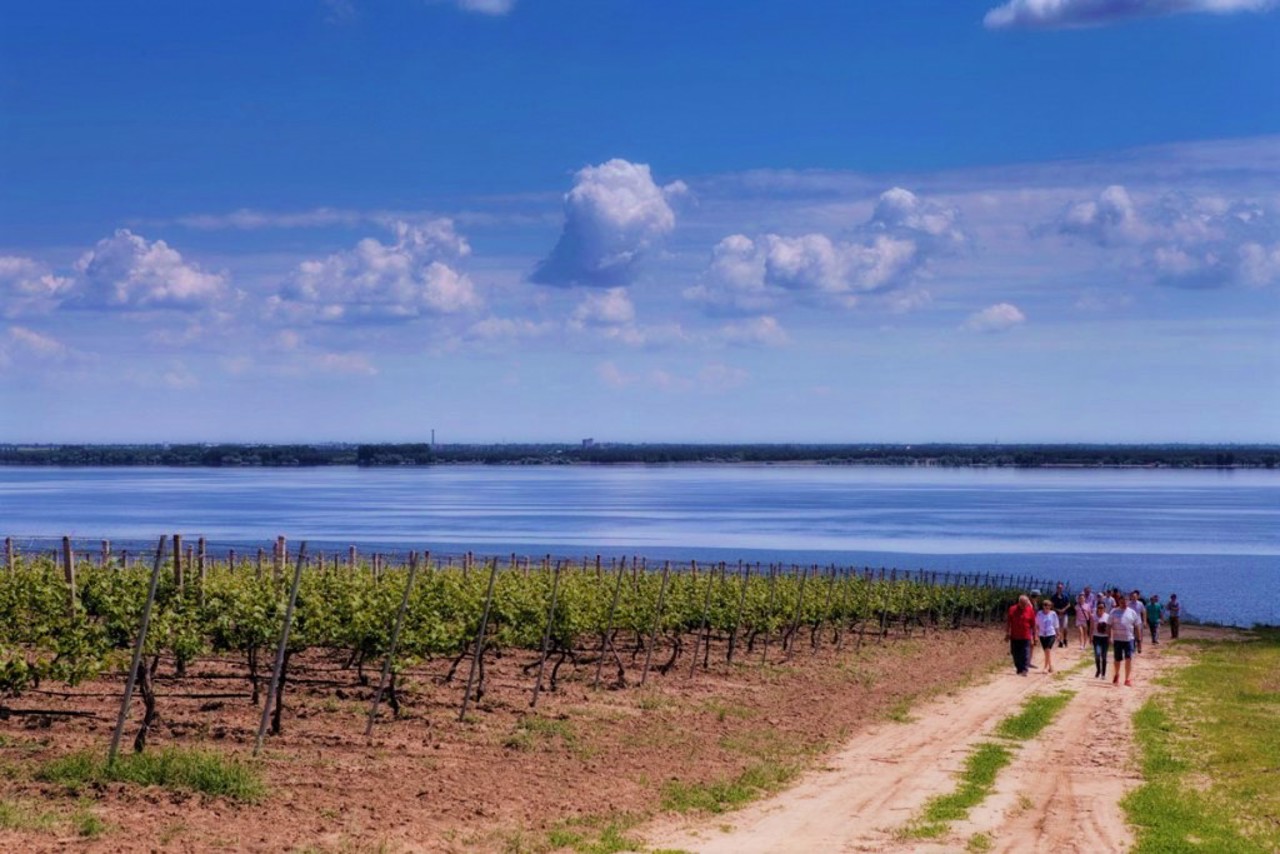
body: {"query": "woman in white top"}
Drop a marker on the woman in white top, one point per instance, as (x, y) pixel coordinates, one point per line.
(1101, 639)
(1047, 628)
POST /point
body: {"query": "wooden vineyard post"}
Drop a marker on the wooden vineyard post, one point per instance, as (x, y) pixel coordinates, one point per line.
(278, 568)
(136, 661)
(280, 650)
(742, 602)
(795, 625)
(177, 562)
(546, 636)
(605, 640)
(395, 638)
(258, 571)
(351, 558)
(702, 627)
(484, 624)
(69, 570)
(657, 621)
(231, 560)
(9, 560)
(773, 585)
(200, 566)
(106, 553)
(844, 609)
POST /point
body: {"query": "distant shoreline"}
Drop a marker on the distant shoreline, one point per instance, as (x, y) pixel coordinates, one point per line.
(1061, 456)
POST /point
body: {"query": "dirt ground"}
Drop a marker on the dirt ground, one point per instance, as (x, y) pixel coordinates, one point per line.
(507, 776)
(1061, 793)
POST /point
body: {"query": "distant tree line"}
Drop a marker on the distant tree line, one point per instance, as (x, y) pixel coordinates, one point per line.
(421, 454)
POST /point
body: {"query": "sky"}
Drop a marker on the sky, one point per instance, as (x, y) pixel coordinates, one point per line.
(640, 221)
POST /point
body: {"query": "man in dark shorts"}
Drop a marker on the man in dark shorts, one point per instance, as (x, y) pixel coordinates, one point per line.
(1062, 605)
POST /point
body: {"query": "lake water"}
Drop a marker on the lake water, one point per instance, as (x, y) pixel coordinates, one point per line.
(1213, 537)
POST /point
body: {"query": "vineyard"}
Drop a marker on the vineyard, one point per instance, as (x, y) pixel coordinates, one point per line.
(67, 617)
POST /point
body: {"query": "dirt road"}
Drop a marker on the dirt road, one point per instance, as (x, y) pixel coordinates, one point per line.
(1060, 793)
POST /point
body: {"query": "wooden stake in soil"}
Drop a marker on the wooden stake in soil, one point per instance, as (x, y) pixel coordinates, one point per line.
(177, 562)
(484, 624)
(605, 641)
(395, 638)
(131, 680)
(706, 606)
(69, 568)
(546, 636)
(657, 621)
(8, 553)
(284, 643)
(742, 602)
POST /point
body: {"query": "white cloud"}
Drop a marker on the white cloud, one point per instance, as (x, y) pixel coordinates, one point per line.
(995, 318)
(126, 272)
(377, 281)
(28, 287)
(606, 308)
(758, 331)
(247, 219)
(487, 7)
(614, 216)
(889, 251)
(28, 342)
(508, 328)
(1049, 14)
(1181, 239)
(350, 364)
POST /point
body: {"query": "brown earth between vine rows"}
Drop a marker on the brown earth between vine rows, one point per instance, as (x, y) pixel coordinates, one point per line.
(496, 782)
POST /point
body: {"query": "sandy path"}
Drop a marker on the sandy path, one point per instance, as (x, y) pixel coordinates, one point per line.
(864, 794)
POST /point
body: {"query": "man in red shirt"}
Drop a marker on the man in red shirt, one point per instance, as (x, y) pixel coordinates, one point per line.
(1019, 632)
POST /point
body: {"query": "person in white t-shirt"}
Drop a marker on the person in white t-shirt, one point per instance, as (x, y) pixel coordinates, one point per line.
(1047, 628)
(1140, 608)
(1124, 627)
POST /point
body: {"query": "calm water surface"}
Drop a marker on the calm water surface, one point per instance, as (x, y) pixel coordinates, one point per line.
(1211, 536)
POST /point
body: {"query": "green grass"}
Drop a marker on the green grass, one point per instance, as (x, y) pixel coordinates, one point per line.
(1210, 751)
(1034, 717)
(22, 816)
(596, 835)
(976, 782)
(761, 778)
(172, 768)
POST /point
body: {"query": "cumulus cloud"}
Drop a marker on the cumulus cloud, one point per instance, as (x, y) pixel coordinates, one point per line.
(1051, 14)
(1000, 317)
(487, 7)
(758, 331)
(376, 281)
(128, 272)
(607, 308)
(1181, 239)
(614, 216)
(712, 378)
(887, 252)
(508, 328)
(28, 287)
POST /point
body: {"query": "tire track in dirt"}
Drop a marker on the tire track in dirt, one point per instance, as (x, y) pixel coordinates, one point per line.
(861, 798)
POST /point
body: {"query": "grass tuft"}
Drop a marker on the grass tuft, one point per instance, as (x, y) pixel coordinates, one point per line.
(1034, 717)
(172, 768)
(720, 796)
(976, 781)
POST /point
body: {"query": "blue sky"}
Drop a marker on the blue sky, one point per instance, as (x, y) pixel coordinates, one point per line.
(1039, 220)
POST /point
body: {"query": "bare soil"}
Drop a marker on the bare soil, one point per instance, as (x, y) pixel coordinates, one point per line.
(508, 775)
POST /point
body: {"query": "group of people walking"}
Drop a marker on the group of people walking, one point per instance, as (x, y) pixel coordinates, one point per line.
(1111, 620)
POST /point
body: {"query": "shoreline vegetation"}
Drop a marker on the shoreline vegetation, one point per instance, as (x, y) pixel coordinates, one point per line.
(588, 452)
